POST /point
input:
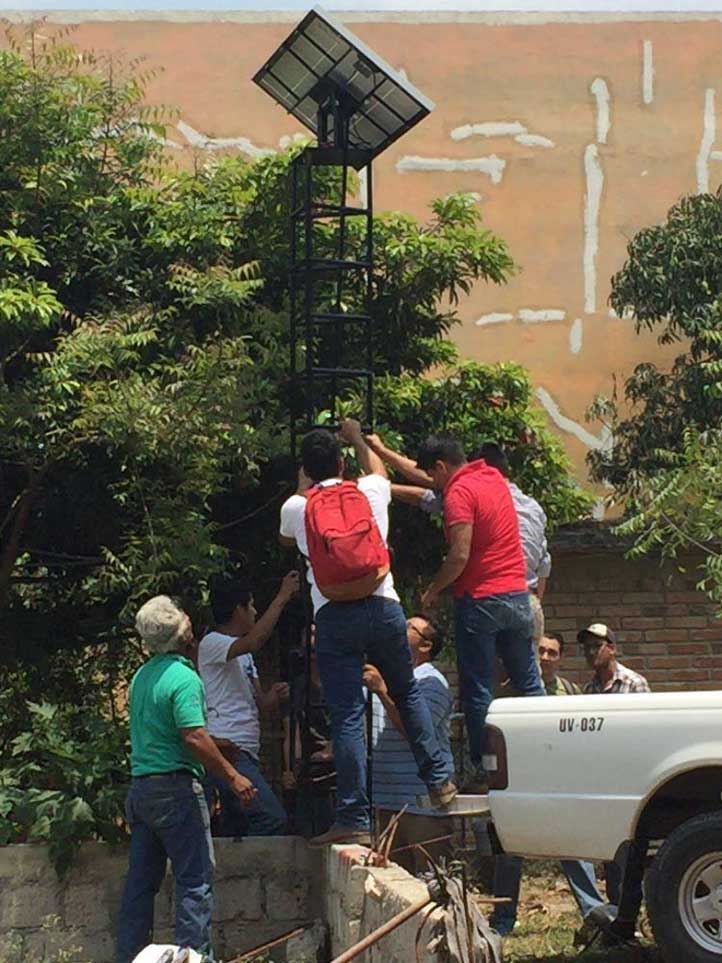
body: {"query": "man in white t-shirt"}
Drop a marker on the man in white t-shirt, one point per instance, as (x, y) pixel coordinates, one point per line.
(234, 696)
(348, 634)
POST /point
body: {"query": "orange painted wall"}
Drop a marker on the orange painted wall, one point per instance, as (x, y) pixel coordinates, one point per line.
(536, 74)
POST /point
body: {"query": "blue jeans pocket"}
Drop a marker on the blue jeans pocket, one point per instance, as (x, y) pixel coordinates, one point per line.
(162, 811)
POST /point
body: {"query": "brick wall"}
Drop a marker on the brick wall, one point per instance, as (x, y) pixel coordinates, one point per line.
(666, 629)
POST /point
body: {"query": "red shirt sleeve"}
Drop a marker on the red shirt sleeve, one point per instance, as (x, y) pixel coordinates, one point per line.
(458, 507)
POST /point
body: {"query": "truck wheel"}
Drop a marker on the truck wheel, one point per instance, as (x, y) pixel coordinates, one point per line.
(685, 892)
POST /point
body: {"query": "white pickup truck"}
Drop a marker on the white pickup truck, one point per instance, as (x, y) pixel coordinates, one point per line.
(577, 776)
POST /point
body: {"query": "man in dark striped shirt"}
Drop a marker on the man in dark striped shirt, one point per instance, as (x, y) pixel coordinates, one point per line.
(395, 775)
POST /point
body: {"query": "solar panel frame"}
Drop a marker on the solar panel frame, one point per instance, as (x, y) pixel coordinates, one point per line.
(302, 67)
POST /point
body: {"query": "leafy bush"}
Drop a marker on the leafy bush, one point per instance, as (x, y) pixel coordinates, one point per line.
(64, 781)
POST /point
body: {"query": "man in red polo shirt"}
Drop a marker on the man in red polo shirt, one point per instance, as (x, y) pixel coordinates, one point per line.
(485, 565)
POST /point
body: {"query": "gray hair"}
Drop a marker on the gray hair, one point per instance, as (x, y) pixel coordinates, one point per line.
(161, 624)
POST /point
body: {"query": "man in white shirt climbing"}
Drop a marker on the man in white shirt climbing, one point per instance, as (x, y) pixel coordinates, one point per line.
(341, 528)
(234, 696)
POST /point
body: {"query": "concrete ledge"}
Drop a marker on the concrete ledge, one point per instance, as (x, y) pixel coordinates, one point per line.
(359, 899)
(264, 887)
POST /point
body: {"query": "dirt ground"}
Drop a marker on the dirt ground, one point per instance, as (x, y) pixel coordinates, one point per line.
(548, 922)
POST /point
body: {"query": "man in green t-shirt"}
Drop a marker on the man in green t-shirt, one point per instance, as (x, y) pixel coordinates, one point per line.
(166, 809)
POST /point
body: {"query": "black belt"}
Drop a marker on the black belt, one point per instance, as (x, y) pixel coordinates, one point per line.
(164, 775)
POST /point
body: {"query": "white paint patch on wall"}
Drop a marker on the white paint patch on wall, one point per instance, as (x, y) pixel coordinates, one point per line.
(709, 132)
(647, 72)
(571, 427)
(530, 316)
(496, 317)
(534, 140)
(716, 155)
(201, 141)
(576, 334)
(489, 129)
(493, 166)
(503, 128)
(600, 90)
(363, 187)
(592, 203)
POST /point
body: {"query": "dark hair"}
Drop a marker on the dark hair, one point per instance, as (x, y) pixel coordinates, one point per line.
(495, 457)
(558, 637)
(226, 594)
(440, 448)
(320, 454)
(437, 636)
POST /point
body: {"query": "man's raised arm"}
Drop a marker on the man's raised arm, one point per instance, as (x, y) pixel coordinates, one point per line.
(370, 462)
(400, 463)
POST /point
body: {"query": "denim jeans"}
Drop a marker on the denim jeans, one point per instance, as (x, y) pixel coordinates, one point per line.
(168, 819)
(265, 816)
(507, 878)
(497, 625)
(347, 635)
(312, 813)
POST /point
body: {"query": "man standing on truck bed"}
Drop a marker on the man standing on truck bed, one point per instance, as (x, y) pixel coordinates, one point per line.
(486, 567)
(341, 528)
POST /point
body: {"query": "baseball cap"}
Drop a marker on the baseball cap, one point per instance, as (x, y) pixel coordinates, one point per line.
(599, 631)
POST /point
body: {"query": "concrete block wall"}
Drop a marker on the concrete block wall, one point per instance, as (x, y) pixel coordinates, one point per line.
(263, 888)
(358, 899)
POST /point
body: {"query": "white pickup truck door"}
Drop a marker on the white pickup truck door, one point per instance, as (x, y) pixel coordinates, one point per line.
(581, 767)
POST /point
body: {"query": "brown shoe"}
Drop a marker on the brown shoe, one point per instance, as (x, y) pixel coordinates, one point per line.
(443, 796)
(341, 834)
(475, 786)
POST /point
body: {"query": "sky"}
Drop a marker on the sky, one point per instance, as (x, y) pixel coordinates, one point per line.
(588, 6)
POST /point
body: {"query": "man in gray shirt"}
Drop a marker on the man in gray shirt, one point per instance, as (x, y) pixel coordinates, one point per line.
(531, 516)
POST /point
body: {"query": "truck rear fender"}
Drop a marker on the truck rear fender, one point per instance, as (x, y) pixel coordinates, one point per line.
(683, 785)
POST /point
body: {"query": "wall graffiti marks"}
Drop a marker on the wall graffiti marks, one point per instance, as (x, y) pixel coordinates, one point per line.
(600, 90)
(602, 442)
(496, 317)
(196, 139)
(513, 128)
(492, 165)
(525, 315)
(592, 203)
(489, 129)
(647, 72)
(530, 316)
(576, 333)
(709, 133)
(534, 140)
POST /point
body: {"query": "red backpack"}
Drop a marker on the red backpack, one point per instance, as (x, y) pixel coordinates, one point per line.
(345, 548)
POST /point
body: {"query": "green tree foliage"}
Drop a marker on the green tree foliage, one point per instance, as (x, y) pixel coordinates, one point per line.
(143, 363)
(667, 450)
(678, 508)
(671, 283)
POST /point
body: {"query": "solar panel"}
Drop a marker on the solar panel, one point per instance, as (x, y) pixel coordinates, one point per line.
(322, 64)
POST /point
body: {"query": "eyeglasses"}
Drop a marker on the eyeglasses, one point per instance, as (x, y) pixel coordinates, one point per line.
(421, 635)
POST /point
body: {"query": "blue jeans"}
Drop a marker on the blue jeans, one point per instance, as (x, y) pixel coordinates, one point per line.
(497, 625)
(265, 817)
(347, 635)
(168, 819)
(312, 813)
(507, 878)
